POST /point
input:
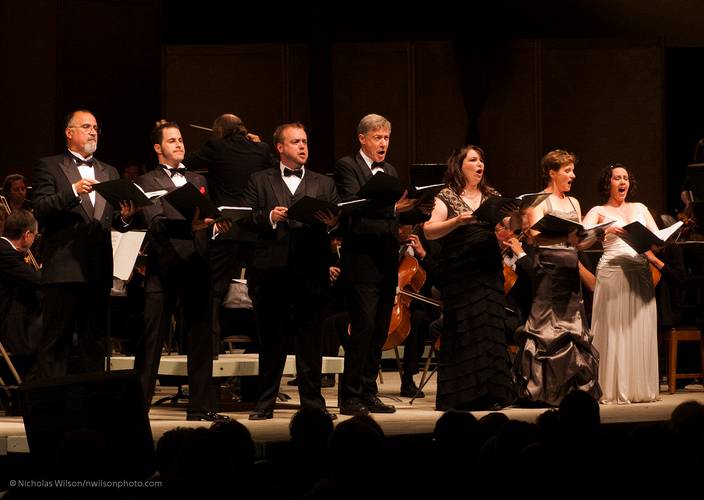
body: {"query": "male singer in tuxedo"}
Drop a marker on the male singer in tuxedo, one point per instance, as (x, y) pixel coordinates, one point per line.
(177, 268)
(20, 282)
(369, 267)
(77, 252)
(289, 279)
(230, 156)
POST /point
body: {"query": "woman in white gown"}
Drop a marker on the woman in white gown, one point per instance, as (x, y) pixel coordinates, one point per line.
(624, 314)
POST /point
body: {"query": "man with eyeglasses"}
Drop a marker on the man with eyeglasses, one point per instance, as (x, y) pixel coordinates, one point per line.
(20, 309)
(77, 268)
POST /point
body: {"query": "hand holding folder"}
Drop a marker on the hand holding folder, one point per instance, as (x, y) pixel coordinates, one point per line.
(187, 199)
(304, 210)
(121, 190)
(641, 239)
(495, 208)
(553, 225)
(383, 187)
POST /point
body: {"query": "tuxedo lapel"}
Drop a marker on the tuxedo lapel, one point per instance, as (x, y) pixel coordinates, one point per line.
(70, 170)
(101, 175)
(311, 185)
(277, 186)
(363, 168)
(193, 179)
(162, 179)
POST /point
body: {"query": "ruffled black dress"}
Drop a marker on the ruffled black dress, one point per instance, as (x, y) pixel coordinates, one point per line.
(473, 363)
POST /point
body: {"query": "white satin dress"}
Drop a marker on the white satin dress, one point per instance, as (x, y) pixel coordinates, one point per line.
(624, 324)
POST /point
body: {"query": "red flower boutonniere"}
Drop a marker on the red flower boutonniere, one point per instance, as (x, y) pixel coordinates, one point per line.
(202, 190)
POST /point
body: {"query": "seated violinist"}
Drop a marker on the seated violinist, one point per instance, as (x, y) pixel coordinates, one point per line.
(422, 313)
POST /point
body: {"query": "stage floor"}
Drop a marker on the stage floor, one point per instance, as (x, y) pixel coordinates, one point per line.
(416, 418)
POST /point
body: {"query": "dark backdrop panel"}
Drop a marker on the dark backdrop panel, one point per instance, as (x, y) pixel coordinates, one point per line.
(202, 82)
(28, 85)
(603, 100)
(372, 78)
(510, 122)
(109, 60)
(439, 119)
(684, 115)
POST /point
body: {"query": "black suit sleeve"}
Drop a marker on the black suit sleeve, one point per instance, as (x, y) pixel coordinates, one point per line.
(48, 199)
(252, 197)
(347, 183)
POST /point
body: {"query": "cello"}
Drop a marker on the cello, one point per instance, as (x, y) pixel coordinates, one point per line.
(411, 278)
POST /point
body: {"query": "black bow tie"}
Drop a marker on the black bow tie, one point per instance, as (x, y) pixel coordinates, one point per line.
(174, 171)
(90, 161)
(298, 172)
(378, 164)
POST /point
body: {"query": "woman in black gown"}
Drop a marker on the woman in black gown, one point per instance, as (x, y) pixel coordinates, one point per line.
(473, 363)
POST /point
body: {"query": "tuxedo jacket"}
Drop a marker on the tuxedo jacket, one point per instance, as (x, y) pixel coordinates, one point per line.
(229, 162)
(20, 308)
(171, 243)
(370, 247)
(305, 248)
(76, 235)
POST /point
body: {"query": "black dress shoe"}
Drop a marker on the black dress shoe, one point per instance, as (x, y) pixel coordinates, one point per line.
(375, 405)
(409, 389)
(353, 407)
(331, 416)
(261, 415)
(293, 381)
(209, 416)
(327, 380)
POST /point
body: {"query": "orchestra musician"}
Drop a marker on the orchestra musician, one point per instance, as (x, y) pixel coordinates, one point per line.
(473, 363)
(230, 156)
(20, 283)
(14, 189)
(421, 313)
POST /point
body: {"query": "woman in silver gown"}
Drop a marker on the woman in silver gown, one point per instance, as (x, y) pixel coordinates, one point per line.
(555, 353)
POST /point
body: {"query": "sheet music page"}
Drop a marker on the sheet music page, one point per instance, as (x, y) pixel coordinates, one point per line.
(125, 248)
(665, 234)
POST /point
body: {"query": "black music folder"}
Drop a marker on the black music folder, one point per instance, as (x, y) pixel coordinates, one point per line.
(120, 190)
(187, 198)
(425, 192)
(235, 213)
(382, 186)
(640, 238)
(495, 208)
(557, 226)
(304, 209)
(530, 200)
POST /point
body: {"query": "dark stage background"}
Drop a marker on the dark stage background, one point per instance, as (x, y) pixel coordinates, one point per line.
(610, 80)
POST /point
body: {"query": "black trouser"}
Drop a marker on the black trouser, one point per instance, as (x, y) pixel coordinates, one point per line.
(188, 285)
(286, 305)
(68, 308)
(370, 307)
